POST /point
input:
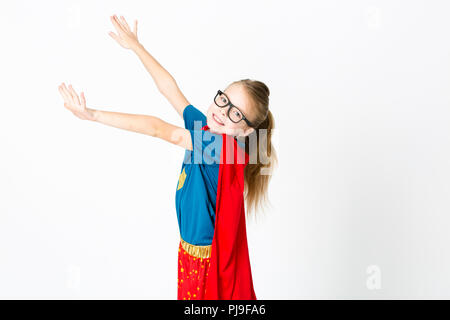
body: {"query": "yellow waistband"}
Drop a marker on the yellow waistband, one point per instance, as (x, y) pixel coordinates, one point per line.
(196, 251)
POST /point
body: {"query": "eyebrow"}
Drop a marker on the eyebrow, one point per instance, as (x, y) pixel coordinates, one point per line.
(239, 108)
(230, 100)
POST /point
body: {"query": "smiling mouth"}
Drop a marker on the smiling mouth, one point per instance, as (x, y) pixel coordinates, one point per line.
(217, 120)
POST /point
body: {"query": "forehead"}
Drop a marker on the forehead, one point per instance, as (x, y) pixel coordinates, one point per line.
(238, 97)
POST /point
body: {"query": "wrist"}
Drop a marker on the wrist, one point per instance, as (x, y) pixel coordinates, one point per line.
(136, 47)
(94, 113)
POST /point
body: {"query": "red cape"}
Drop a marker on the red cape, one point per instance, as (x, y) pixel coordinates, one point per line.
(230, 275)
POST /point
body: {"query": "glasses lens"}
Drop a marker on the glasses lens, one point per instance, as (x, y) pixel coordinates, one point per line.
(235, 114)
(221, 100)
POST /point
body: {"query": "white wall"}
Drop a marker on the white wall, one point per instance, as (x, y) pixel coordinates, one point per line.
(360, 95)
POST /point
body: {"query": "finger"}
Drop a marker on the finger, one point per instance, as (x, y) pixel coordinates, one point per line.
(116, 24)
(124, 22)
(83, 100)
(74, 94)
(67, 99)
(114, 36)
(61, 92)
(66, 94)
(135, 28)
(123, 28)
(67, 91)
(70, 94)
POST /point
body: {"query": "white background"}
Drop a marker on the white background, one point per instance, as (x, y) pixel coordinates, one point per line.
(360, 95)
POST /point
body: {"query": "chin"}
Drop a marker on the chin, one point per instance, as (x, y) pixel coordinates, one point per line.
(216, 130)
(213, 127)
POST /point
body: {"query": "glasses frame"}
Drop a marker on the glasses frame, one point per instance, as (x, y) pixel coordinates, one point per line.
(232, 105)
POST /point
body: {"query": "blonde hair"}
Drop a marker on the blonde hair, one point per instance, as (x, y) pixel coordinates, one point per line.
(256, 179)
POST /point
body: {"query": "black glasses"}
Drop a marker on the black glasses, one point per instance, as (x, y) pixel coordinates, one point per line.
(234, 114)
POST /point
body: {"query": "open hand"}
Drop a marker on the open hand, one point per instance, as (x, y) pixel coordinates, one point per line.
(74, 104)
(126, 38)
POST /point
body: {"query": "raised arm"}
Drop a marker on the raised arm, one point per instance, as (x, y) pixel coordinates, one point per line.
(164, 81)
(139, 123)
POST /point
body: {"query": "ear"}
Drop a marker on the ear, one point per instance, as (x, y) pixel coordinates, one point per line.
(248, 131)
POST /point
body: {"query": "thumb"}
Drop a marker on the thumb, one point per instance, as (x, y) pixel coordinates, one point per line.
(83, 100)
(113, 35)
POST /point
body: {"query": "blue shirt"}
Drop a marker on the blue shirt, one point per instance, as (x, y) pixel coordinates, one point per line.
(196, 190)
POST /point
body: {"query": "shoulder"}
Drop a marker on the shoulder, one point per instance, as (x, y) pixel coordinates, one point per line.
(186, 109)
(193, 117)
(191, 111)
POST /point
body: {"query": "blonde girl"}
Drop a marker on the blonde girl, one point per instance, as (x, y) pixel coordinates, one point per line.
(213, 260)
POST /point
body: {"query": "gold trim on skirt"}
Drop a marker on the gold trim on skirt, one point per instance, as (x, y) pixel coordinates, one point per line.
(196, 251)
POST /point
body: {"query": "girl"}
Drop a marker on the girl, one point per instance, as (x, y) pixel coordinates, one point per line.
(213, 259)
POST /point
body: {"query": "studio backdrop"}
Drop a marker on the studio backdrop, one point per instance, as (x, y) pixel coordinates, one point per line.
(360, 93)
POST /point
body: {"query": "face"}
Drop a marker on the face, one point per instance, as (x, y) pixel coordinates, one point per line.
(218, 121)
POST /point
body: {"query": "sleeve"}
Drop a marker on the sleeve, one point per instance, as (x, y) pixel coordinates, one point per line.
(193, 117)
(206, 145)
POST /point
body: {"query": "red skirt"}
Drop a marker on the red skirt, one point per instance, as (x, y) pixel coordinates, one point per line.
(193, 266)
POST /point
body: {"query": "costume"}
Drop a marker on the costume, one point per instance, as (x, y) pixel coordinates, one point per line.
(230, 274)
(213, 259)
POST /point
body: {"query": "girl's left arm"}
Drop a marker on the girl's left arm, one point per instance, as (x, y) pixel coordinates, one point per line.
(164, 81)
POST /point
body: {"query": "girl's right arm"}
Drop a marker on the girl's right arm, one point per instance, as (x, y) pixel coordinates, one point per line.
(139, 123)
(145, 124)
(164, 81)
